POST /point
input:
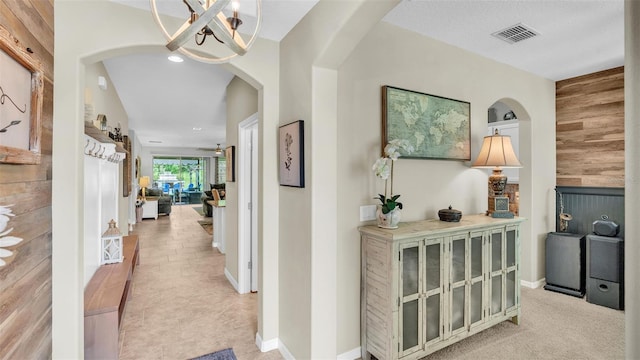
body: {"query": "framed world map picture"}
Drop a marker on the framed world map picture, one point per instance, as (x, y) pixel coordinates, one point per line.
(437, 127)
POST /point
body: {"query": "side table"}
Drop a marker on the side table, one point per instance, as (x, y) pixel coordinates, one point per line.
(150, 209)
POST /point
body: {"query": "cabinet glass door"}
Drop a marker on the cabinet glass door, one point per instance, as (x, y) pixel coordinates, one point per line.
(433, 290)
(496, 261)
(458, 282)
(410, 304)
(511, 267)
(476, 293)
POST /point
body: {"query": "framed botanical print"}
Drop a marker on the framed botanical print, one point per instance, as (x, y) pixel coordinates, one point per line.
(291, 154)
(21, 96)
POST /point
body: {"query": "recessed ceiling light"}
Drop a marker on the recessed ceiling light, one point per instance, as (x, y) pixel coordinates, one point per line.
(175, 58)
(155, 141)
(197, 129)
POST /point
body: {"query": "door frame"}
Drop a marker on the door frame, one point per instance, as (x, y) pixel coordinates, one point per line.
(247, 217)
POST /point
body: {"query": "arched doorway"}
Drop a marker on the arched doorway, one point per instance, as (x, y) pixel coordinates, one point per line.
(136, 32)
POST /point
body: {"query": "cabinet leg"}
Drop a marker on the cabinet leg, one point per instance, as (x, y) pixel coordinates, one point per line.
(516, 319)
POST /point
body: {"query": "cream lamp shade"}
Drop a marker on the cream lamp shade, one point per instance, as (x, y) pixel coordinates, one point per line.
(144, 183)
(496, 152)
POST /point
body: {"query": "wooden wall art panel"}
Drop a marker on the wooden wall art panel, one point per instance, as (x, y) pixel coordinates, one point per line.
(25, 278)
(590, 130)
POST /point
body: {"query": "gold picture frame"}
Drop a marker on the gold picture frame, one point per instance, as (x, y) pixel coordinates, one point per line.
(230, 154)
(22, 123)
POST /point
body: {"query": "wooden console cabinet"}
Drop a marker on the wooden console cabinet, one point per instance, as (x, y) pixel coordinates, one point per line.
(104, 302)
(429, 284)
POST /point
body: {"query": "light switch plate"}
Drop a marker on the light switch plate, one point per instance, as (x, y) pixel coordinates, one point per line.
(367, 212)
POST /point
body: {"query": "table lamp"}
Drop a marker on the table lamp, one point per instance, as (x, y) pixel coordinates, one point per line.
(497, 153)
(144, 183)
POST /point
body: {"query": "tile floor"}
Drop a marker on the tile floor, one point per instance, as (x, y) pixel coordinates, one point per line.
(181, 304)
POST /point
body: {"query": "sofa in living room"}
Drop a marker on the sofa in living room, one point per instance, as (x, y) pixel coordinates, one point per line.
(164, 201)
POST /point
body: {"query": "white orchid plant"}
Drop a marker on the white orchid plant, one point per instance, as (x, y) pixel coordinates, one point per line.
(6, 241)
(383, 168)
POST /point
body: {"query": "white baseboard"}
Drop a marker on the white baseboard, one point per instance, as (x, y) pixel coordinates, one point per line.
(533, 285)
(285, 352)
(233, 281)
(274, 344)
(265, 346)
(351, 354)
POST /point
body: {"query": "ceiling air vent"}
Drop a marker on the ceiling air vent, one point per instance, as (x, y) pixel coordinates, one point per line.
(516, 33)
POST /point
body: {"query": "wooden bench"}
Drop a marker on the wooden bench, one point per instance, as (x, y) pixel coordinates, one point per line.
(105, 298)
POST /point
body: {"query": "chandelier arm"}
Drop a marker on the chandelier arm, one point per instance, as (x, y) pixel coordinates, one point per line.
(204, 37)
(204, 17)
(215, 37)
(223, 32)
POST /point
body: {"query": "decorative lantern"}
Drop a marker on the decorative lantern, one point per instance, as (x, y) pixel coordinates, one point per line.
(112, 247)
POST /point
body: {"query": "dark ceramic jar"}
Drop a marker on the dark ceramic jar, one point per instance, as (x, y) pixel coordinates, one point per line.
(450, 215)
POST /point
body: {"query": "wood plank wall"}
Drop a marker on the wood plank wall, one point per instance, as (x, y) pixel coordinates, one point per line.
(25, 282)
(590, 130)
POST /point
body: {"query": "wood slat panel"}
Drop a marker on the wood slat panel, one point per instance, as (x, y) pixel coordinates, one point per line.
(26, 258)
(25, 282)
(590, 129)
(12, 330)
(30, 18)
(28, 37)
(27, 287)
(40, 330)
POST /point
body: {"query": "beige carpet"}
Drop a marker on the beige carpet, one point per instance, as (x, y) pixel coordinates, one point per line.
(552, 326)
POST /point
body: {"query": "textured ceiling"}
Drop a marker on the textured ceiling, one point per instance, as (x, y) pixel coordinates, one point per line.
(576, 37)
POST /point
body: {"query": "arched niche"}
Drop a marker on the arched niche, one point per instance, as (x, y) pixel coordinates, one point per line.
(502, 118)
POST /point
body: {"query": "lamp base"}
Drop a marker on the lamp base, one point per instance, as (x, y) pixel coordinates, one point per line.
(502, 214)
(497, 184)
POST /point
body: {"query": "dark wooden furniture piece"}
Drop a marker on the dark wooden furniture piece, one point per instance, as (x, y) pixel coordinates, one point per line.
(105, 298)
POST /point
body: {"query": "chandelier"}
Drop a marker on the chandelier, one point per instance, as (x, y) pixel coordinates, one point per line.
(207, 19)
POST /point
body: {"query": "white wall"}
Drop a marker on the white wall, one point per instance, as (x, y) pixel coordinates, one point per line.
(107, 102)
(309, 57)
(388, 56)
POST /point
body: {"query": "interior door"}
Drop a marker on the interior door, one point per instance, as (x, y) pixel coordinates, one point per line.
(254, 207)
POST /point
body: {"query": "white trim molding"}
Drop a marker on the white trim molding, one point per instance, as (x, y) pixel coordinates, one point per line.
(265, 346)
(284, 351)
(534, 284)
(229, 277)
(351, 354)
